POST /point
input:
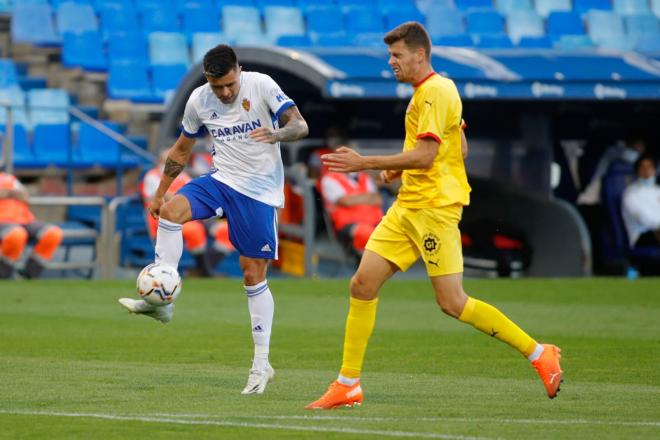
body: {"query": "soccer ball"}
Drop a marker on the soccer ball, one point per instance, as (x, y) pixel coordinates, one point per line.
(159, 284)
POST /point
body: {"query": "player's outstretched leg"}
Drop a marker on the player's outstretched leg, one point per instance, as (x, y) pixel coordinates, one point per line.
(262, 308)
(141, 307)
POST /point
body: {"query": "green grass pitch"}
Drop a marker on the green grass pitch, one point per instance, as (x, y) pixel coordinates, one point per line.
(73, 364)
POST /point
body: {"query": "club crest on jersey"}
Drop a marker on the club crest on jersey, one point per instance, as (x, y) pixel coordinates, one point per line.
(246, 104)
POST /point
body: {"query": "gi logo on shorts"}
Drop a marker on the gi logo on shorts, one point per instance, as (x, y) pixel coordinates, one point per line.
(431, 243)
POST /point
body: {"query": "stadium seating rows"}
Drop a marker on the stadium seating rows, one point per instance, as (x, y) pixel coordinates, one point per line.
(158, 45)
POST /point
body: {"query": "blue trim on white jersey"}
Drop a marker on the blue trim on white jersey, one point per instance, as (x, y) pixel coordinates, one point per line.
(200, 133)
(285, 106)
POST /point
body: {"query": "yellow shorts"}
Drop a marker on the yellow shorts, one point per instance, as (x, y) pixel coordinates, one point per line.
(404, 234)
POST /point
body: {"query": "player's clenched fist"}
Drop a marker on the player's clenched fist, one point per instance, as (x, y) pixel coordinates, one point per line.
(154, 207)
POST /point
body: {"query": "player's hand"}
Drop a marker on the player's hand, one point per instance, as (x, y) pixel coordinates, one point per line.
(343, 160)
(154, 207)
(389, 176)
(264, 134)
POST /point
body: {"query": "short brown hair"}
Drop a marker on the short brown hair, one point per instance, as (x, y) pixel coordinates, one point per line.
(413, 35)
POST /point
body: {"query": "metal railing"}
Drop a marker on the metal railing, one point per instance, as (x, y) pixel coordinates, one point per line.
(102, 263)
(8, 141)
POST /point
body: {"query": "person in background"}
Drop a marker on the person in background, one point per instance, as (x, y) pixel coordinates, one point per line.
(641, 205)
(194, 232)
(18, 225)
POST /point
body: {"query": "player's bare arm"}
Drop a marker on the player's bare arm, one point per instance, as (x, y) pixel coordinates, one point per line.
(293, 128)
(346, 160)
(175, 163)
(361, 199)
(389, 176)
(464, 145)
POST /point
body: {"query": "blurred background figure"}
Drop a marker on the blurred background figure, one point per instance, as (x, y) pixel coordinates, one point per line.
(628, 151)
(354, 205)
(18, 225)
(641, 205)
(194, 232)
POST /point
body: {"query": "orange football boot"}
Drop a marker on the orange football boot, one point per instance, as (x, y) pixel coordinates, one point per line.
(547, 366)
(339, 395)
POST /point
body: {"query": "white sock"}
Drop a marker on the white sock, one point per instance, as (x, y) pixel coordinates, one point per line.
(169, 243)
(349, 381)
(538, 351)
(262, 308)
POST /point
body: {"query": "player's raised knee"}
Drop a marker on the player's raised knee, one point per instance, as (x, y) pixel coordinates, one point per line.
(173, 212)
(361, 287)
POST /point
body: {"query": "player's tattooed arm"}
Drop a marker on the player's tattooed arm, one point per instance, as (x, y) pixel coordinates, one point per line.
(293, 128)
(172, 168)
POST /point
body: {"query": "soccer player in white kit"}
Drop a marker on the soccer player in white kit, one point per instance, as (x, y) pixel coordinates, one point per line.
(247, 115)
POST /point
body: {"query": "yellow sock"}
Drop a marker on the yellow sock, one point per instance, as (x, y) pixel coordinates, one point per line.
(493, 322)
(359, 326)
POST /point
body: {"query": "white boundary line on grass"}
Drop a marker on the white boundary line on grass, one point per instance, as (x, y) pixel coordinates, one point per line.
(433, 419)
(179, 421)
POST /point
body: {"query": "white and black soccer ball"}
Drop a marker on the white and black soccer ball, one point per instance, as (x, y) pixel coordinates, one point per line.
(159, 284)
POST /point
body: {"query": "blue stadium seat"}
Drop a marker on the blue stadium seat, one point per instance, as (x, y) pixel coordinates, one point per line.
(76, 18)
(168, 48)
(118, 18)
(166, 79)
(484, 22)
(283, 20)
(346, 4)
(34, 24)
(574, 42)
(202, 42)
(84, 50)
(465, 5)
(324, 20)
(23, 155)
(618, 42)
(386, 6)
(96, 148)
(130, 45)
(311, 4)
(425, 6)
(158, 19)
(129, 79)
(16, 97)
(199, 17)
(254, 40)
(444, 22)
(395, 17)
(294, 41)
(457, 40)
(51, 144)
(604, 25)
(584, 6)
(6, 6)
(8, 76)
(336, 39)
(369, 39)
(655, 7)
(545, 7)
(642, 25)
(543, 42)
(648, 43)
(48, 106)
(493, 41)
(564, 23)
(524, 24)
(240, 20)
(631, 7)
(263, 4)
(360, 19)
(168, 5)
(506, 6)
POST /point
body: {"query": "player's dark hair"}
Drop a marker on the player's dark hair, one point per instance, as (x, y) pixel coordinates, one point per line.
(413, 35)
(219, 61)
(642, 158)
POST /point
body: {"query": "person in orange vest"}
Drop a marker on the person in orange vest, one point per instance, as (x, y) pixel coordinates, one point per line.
(194, 232)
(354, 205)
(18, 225)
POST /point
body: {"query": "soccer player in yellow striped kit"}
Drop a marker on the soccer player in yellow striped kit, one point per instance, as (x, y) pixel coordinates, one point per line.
(422, 222)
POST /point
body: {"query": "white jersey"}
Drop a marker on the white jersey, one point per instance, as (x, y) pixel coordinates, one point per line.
(252, 168)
